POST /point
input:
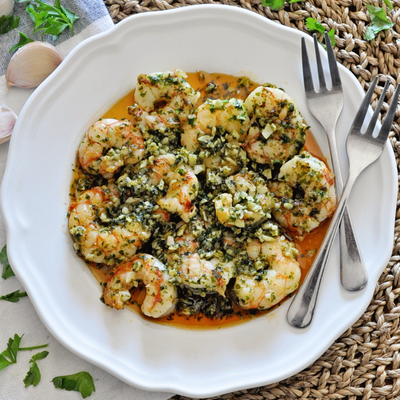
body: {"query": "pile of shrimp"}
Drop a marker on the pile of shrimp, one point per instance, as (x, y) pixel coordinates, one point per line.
(195, 198)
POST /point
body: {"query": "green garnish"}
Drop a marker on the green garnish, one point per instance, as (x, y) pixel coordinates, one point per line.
(51, 20)
(81, 382)
(379, 22)
(315, 26)
(23, 40)
(7, 271)
(9, 23)
(33, 376)
(276, 4)
(9, 356)
(13, 297)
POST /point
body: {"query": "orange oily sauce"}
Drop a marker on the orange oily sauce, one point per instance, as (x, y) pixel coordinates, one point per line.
(226, 86)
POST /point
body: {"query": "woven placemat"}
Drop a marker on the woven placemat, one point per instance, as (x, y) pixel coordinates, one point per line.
(364, 363)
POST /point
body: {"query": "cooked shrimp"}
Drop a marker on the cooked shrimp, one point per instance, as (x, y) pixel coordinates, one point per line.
(167, 98)
(306, 191)
(249, 201)
(277, 130)
(182, 182)
(280, 277)
(108, 145)
(215, 131)
(95, 239)
(215, 117)
(160, 293)
(195, 270)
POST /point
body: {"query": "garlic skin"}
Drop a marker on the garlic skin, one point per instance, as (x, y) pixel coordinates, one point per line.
(7, 122)
(32, 64)
(6, 7)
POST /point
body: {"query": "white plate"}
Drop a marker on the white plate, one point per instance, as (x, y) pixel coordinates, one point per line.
(34, 200)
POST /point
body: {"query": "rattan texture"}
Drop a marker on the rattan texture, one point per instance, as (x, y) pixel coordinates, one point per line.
(364, 363)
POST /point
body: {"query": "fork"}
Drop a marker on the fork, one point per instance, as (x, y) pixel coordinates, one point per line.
(362, 150)
(326, 106)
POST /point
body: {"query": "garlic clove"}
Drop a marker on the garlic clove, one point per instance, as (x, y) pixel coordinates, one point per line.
(32, 64)
(6, 7)
(7, 122)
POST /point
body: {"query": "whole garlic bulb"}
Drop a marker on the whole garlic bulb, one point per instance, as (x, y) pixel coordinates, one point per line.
(32, 64)
(7, 122)
(6, 7)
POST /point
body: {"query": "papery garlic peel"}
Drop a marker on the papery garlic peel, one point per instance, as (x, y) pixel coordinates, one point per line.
(7, 122)
(6, 7)
(32, 64)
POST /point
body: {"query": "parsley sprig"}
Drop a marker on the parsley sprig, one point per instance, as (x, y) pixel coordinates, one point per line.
(51, 19)
(33, 376)
(9, 23)
(7, 271)
(379, 21)
(81, 382)
(13, 297)
(276, 4)
(9, 356)
(315, 26)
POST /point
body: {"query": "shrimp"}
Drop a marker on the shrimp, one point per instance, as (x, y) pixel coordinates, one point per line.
(280, 276)
(161, 294)
(216, 129)
(212, 117)
(249, 201)
(277, 130)
(182, 182)
(97, 240)
(196, 269)
(108, 145)
(306, 191)
(166, 97)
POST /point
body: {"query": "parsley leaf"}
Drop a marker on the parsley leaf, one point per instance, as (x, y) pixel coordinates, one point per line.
(13, 297)
(81, 382)
(276, 4)
(389, 4)
(51, 20)
(315, 26)
(379, 22)
(9, 356)
(9, 23)
(33, 376)
(23, 40)
(7, 271)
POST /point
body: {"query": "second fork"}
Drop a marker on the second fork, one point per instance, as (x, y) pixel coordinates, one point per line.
(326, 106)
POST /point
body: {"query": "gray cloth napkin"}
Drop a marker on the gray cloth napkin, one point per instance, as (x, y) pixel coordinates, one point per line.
(21, 318)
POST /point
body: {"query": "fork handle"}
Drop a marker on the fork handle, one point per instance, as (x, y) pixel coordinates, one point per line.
(353, 273)
(301, 310)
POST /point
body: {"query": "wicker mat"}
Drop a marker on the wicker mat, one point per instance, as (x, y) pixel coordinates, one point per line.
(364, 362)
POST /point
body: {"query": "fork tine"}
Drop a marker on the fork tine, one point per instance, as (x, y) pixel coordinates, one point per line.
(372, 122)
(307, 77)
(360, 116)
(333, 67)
(387, 123)
(321, 77)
